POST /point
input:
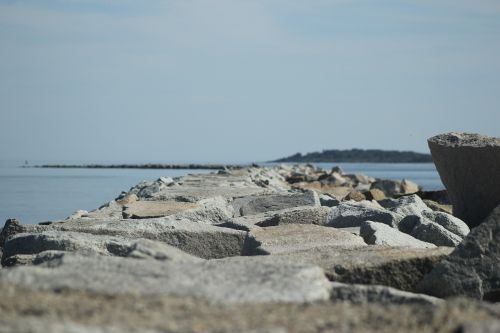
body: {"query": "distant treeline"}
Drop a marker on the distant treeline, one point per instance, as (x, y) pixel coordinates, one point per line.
(359, 156)
(141, 166)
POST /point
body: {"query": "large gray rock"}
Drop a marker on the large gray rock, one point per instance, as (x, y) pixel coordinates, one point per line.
(406, 205)
(199, 239)
(468, 165)
(244, 280)
(449, 222)
(85, 243)
(298, 215)
(251, 205)
(431, 232)
(289, 238)
(353, 214)
(473, 268)
(361, 294)
(401, 268)
(381, 234)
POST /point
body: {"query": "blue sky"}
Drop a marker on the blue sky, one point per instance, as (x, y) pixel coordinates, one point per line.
(238, 81)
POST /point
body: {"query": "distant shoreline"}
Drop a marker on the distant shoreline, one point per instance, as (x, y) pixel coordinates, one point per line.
(139, 166)
(358, 156)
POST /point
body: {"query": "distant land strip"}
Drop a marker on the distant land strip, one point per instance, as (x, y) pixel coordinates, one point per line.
(140, 166)
(359, 156)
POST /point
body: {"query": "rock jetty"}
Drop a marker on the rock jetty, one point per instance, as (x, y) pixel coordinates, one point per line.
(275, 249)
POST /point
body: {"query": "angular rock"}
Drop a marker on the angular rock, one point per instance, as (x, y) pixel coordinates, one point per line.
(437, 207)
(468, 165)
(381, 234)
(449, 222)
(473, 268)
(431, 232)
(298, 215)
(375, 194)
(251, 205)
(353, 214)
(328, 201)
(11, 227)
(199, 239)
(152, 209)
(294, 237)
(395, 187)
(219, 281)
(27, 244)
(361, 294)
(401, 268)
(406, 205)
(355, 195)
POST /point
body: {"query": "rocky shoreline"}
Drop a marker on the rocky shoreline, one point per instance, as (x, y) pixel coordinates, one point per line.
(262, 249)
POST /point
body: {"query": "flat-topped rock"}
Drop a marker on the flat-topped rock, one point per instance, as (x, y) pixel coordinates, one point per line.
(220, 281)
(252, 205)
(473, 268)
(289, 238)
(297, 215)
(85, 243)
(199, 239)
(152, 209)
(401, 268)
(468, 165)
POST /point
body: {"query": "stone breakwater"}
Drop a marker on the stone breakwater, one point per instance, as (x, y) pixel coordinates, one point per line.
(281, 249)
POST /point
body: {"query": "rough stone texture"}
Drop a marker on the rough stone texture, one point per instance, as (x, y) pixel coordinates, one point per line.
(298, 215)
(152, 209)
(357, 293)
(29, 311)
(395, 187)
(11, 227)
(473, 269)
(292, 237)
(375, 194)
(434, 233)
(260, 204)
(406, 205)
(437, 207)
(328, 201)
(353, 214)
(85, 243)
(381, 234)
(401, 268)
(199, 239)
(221, 281)
(468, 165)
(449, 222)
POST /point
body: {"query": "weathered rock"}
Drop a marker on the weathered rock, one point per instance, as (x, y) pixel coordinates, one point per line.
(401, 268)
(437, 207)
(395, 187)
(431, 232)
(353, 214)
(221, 281)
(406, 205)
(355, 195)
(375, 194)
(298, 215)
(152, 209)
(199, 239)
(251, 205)
(361, 294)
(27, 244)
(473, 269)
(30, 311)
(381, 234)
(11, 227)
(468, 165)
(294, 237)
(449, 222)
(328, 201)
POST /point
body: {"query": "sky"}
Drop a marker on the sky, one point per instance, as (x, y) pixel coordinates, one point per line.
(242, 81)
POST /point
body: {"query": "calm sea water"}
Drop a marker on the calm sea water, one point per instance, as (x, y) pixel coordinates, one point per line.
(36, 195)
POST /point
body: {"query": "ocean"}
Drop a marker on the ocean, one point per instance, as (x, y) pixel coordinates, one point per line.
(35, 195)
